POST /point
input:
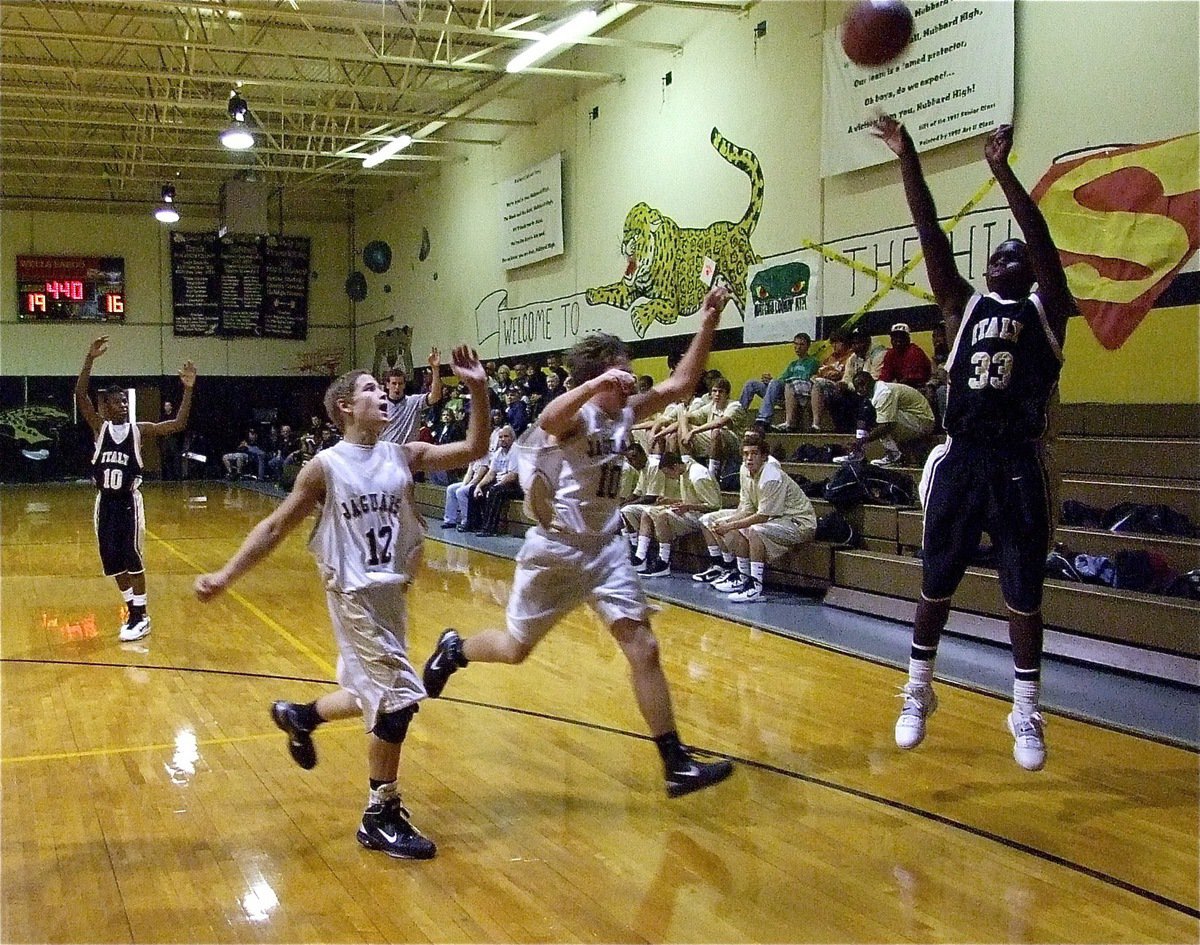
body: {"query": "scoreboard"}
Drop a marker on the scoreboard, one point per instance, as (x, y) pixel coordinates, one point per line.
(74, 288)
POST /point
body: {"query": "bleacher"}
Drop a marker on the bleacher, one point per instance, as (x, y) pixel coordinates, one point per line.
(1106, 454)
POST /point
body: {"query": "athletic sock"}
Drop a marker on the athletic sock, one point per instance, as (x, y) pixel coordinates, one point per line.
(757, 570)
(664, 552)
(643, 546)
(380, 792)
(727, 558)
(1027, 690)
(743, 565)
(920, 665)
(307, 715)
(714, 552)
(671, 750)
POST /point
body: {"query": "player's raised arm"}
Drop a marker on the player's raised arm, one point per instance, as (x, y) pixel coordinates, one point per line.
(178, 423)
(430, 458)
(307, 493)
(691, 366)
(82, 399)
(950, 289)
(1043, 254)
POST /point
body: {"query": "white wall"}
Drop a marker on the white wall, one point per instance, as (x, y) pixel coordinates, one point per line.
(1086, 74)
(145, 344)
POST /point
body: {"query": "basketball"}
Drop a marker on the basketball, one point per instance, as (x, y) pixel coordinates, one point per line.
(875, 32)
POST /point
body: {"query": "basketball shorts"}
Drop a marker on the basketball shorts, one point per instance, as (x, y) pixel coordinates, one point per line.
(120, 522)
(680, 523)
(781, 535)
(969, 488)
(370, 627)
(631, 514)
(554, 576)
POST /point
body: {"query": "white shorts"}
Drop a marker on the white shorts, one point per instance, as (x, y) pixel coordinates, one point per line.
(632, 514)
(680, 523)
(370, 627)
(709, 519)
(781, 535)
(554, 577)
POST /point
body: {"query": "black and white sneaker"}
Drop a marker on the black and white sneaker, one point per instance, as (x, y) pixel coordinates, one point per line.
(386, 827)
(656, 568)
(697, 774)
(445, 660)
(134, 628)
(300, 743)
(638, 563)
(714, 572)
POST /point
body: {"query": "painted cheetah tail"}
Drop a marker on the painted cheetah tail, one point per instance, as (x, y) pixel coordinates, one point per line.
(744, 160)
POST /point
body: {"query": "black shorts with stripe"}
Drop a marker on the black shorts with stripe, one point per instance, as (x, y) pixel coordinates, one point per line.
(120, 524)
(972, 487)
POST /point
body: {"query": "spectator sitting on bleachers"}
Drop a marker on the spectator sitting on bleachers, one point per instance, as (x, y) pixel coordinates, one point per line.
(653, 488)
(554, 366)
(458, 493)
(531, 381)
(296, 460)
(829, 393)
(329, 437)
(718, 436)
(773, 516)
(699, 493)
(897, 414)
(516, 411)
(865, 355)
(248, 450)
(285, 445)
(554, 387)
(904, 361)
(644, 383)
(487, 501)
(794, 385)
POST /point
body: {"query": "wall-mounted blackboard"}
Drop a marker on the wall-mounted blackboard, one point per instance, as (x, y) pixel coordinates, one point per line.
(240, 286)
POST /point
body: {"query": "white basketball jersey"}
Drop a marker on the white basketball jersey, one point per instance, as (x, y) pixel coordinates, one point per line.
(574, 487)
(367, 532)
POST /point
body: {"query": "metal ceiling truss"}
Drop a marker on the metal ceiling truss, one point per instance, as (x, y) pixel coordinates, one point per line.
(104, 101)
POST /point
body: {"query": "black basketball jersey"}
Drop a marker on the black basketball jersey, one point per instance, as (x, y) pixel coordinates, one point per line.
(117, 462)
(1002, 370)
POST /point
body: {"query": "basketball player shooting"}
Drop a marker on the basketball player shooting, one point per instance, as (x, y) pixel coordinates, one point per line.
(570, 468)
(117, 468)
(367, 542)
(990, 475)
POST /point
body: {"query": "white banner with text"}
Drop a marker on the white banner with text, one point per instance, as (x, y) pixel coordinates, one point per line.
(531, 218)
(954, 81)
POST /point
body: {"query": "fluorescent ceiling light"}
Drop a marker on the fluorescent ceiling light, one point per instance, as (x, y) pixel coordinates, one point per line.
(580, 25)
(166, 214)
(393, 147)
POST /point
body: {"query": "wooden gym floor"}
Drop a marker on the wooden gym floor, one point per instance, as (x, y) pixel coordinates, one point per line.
(147, 797)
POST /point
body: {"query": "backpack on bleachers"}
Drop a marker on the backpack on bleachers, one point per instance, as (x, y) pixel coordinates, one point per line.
(890, 486)
(1143, 571)
(847, 487)
(836, 529)
(1060, 564)
(1079, 515)
(1096, 569)
(1148, 520)
(814, 490)
(814, 453)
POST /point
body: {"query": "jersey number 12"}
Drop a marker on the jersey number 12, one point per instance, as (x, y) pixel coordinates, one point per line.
(381, 547)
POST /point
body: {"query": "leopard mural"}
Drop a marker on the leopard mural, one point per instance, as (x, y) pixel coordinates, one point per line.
(662, 279)
(34, 425)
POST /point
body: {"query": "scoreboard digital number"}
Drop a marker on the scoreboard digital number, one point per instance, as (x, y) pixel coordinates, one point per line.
(71, 288)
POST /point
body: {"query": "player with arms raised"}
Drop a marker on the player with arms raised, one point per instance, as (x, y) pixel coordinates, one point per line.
(990, 475)
(120, 518)
(570, 468)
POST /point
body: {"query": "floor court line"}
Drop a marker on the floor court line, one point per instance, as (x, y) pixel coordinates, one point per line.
(269, 621)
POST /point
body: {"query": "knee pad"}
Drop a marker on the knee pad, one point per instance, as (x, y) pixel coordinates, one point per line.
(391, 727)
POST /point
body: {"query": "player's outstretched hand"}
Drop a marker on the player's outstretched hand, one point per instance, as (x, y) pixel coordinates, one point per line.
(893, 134)
(998, 145)
(98, 347)
(435, 358)
(716, 300)
(465, 364)
(616, 379)
(187, 374)
(208, 586)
